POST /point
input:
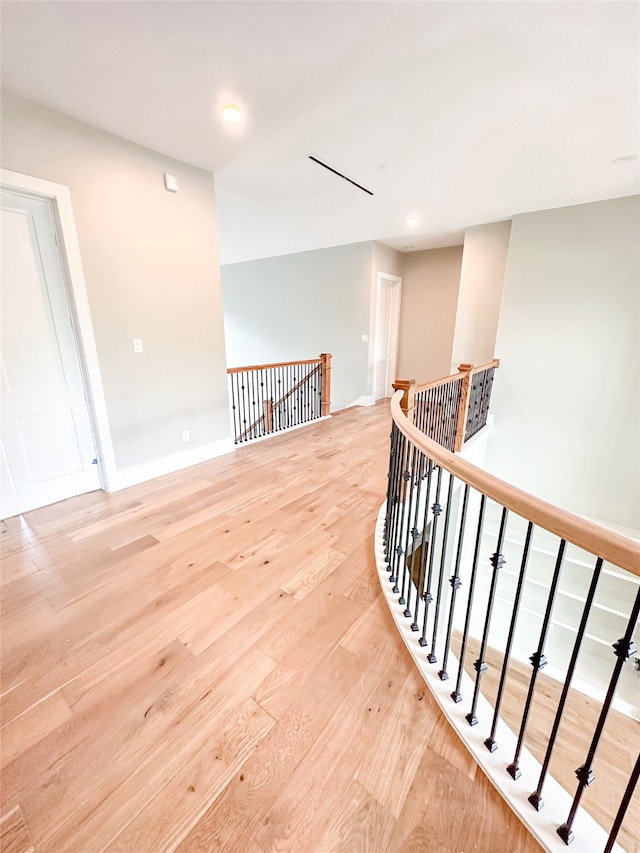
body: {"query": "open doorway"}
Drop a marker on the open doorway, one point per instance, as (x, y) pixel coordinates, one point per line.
(386, 331)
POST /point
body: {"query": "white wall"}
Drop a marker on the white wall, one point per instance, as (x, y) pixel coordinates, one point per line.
(298, 306)
(566, 397)
(150, 261)
(430, 283)
(484, 257)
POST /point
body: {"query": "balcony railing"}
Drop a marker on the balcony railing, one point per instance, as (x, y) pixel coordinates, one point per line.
(450, 410)
(269, 398)
(473, 565)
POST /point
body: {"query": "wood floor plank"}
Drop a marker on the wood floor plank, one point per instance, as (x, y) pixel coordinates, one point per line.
(37, 722)
(200, 778)
(335, 756)
(424, 819)
(361, 824)
(14, 835)
(231, 821)
(393, 758)
(232, 610)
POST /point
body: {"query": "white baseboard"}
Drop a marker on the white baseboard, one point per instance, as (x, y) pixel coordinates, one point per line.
(365, 400)
(168, 464)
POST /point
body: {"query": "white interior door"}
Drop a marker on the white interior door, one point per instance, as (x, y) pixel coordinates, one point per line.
(48, 449)
(386, 335)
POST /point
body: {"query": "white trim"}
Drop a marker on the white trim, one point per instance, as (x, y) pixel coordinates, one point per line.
(373, 326)
(60, 195)
(169, 464)
(278, 432)
(589, 835)
(365, 400)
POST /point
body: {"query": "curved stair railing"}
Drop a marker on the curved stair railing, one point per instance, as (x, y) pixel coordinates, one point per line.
(474, 567)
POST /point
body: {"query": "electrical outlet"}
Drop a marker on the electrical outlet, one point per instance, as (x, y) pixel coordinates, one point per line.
(364, 338)
(185, 435)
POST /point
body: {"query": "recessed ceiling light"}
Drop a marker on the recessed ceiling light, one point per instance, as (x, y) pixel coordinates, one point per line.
(231, 113)
(626, 158)
(413, 221)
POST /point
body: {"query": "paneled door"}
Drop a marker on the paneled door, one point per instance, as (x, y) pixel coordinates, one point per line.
(48, 448)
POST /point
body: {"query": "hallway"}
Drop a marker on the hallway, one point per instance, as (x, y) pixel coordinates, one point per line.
(205, 662)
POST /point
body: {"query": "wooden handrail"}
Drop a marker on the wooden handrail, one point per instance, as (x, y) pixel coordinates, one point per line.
(298, 384)
(436, 383)
(276, 364)
(462, 369)
(611, 546)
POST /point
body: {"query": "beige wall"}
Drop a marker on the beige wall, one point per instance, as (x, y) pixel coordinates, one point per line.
(484, 258)
(566, 398)
(430, 282)
(386, 259)
(150, 263)
(298, 306)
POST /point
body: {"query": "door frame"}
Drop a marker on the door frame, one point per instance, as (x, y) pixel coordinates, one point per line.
(394, 325)
(59, 198)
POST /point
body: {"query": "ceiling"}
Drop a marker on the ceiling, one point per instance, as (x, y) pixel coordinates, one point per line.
(459, 112)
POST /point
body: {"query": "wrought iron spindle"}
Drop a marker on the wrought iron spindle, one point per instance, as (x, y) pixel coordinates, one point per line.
(408, 533)
(624, 805)
(245, 403)
(623, 649)
(456, 695)
(253, 414)
(497, 562)
(536, 798)
(538, 661)
(431, 657)
(414, 535)
(456, 583)
(436, 509)
(490, 742)
(396, 508)
(234, 409)
(425, 546)
(404, 477)
(391, 487)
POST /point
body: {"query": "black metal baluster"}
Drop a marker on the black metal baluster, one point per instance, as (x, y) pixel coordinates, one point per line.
(538, 661)
(431, 657)
(623, 649)
(414, 534)
(490, 742)
(424, 548)
(391, 483)
(456, 583)
(497, 561)
(456, 695)
(397, 486)
(436, 509)
(402, 510)
(536, 798)
(234, 409)
(245, 404)
(409, 499)
(254, 416)
(279, 384)
(624, 805)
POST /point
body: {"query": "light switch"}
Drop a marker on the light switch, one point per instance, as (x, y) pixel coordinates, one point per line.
(137, 345)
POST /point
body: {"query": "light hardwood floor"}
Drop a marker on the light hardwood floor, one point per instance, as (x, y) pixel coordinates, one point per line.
(205, 662)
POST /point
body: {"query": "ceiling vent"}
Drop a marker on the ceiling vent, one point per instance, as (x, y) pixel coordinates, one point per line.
(339, 174)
